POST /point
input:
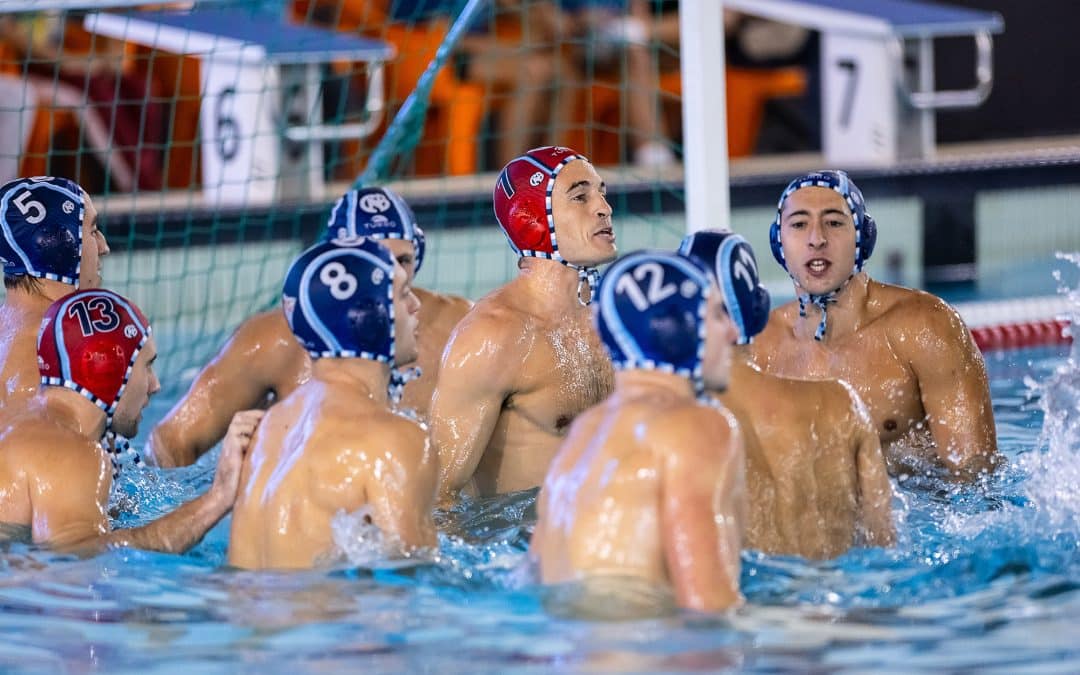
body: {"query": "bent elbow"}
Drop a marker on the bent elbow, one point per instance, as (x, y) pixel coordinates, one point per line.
(973, 465)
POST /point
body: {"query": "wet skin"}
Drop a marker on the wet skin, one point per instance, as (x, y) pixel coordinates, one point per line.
(907, 354)
(229, 382)
(23, 310)
(336, 444)
(815, 474)
(526, 360)
(648, 486)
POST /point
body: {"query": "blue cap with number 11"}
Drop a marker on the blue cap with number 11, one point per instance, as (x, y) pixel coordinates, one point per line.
(41, 223)
(651, 312)
(735, 266)
(339, 300)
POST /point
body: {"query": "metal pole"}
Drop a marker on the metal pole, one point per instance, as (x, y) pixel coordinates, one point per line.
(704, 111)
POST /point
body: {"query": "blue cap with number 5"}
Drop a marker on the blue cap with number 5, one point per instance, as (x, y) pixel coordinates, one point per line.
(339, 300)
(651, 310)
(41, 222)
(732, 261)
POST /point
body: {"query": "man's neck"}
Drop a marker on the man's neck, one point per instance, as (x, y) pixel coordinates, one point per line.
(367, 377)
(37, 301)
(551, 283)
(639, 381)
(845, 314)
(742, 356)
(73, 411)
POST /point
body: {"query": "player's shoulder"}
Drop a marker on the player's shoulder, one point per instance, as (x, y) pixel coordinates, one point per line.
(444, 302)
(904, 303)
(41, 445)
(690, 425)
(263, 329)
(908, 311)
(494, 322)
(779, 326)
(386, 433)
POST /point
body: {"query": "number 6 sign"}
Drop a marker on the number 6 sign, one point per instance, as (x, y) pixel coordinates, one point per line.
(240, 147)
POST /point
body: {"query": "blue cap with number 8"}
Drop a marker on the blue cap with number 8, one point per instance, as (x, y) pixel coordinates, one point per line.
(735, 267)
(41, 222)
(651, 312)
(339, 300)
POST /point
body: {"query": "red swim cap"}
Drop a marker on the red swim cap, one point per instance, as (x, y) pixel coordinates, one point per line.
(522, 199)
(89, 341)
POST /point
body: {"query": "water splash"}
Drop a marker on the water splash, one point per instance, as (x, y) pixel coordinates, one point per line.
(360, 540)
(1017, 528)
(1055, 473)
(482, 542)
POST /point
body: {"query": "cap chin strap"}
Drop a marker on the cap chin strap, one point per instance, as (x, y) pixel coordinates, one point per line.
(585, 274)
(822, 301)
(398, 379)
(118, 446)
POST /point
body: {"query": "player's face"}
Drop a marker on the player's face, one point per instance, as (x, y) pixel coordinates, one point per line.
(142, 384)
(405, 254)
(817, 233)
(94, 247)
(406, 319)
(720, 335)
(582, 216)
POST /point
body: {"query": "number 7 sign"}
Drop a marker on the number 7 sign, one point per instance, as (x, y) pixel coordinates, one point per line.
(859, 101)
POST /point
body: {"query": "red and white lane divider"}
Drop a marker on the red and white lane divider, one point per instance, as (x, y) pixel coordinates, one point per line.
(1013, 324)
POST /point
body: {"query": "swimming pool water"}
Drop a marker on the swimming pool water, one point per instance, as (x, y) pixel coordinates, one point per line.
(982, 578)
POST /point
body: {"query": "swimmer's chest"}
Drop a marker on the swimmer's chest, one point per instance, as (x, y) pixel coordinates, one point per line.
(566, 372)
(866, 361)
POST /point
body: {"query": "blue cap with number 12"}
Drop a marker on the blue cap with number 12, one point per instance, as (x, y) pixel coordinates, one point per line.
(41, 223)
(339, 300)
(651, 312)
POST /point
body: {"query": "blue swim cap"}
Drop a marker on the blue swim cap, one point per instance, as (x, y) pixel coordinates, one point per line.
(865, 227)
(377, 213)
(651, 310)
(339, 300)
(41, 222)
(732, 261)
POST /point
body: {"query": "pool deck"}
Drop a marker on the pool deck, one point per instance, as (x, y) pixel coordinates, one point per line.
(747, 172)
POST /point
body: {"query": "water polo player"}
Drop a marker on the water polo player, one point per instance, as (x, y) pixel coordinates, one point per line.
(815, 475)
(336, 443)
(50, 246)
(648, 485)
(96, 361)
(526, 359)
(907, 353)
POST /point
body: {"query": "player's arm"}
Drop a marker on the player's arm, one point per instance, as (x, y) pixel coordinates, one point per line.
(247, 368)
(955, 391)
(74, 517)
(702, 508)
(475, 378)
(875, 526)
(404, 496)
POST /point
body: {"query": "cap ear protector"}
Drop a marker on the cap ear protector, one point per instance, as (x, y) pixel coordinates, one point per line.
(376, 213)
(338, 300)
(732, 260)
(522, 200)
(865, 227)
(651, 313)
(41, 228)
(420, 244)
(89, 342)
